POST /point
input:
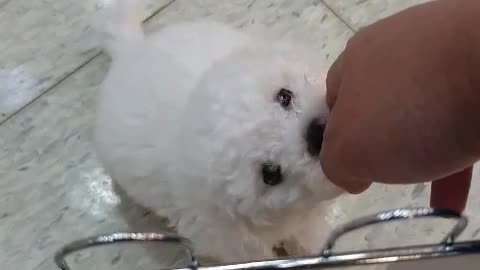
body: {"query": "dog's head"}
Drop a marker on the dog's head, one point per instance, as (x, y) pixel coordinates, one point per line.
(253, 132)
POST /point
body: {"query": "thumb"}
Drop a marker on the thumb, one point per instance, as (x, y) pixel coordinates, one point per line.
(330, 156)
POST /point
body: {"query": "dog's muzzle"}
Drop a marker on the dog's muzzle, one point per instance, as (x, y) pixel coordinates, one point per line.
(314, 137)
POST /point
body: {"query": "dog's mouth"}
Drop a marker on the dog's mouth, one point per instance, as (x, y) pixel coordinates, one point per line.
(272, 173)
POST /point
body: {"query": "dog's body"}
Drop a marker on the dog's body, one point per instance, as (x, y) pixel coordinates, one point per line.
(191, 119)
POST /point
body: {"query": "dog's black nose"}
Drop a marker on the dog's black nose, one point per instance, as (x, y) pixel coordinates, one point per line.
(272, 174)
(314, 137)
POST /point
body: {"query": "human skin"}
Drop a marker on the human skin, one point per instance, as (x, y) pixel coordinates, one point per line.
(405, 103)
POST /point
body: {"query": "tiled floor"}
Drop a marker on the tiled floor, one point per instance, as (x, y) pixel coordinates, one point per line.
(52, 189)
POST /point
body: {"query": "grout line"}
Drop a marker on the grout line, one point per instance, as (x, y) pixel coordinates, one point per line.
(158, 11)
(75, 70)
(338, 16)
(62, 79)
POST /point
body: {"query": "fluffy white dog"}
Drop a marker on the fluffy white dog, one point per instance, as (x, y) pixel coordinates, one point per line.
(219, 132)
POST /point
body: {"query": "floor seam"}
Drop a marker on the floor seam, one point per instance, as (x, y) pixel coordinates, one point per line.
(75, 70)
(338, 16)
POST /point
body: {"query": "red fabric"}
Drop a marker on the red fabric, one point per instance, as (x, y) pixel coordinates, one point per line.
(451, 192)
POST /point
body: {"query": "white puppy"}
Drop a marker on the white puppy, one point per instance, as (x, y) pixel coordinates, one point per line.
(219, 132)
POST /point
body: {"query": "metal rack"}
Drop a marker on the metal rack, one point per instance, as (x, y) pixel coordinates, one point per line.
(448, 247)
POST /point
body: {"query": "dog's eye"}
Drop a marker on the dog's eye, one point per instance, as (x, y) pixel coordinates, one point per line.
(272, 174)
(284, 98)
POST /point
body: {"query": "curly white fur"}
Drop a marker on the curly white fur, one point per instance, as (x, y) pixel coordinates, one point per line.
(187, 115)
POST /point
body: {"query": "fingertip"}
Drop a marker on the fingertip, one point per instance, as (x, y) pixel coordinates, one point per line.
(334, 175)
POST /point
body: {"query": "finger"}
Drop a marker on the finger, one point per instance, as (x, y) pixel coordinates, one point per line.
(330, 160)
(327, 159)
(333, 81)
(452, 191)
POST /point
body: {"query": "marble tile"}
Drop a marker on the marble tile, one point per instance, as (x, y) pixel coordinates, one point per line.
(42, 42)
(307, 21)
(359, 13)
(53, 190)
(382, 197)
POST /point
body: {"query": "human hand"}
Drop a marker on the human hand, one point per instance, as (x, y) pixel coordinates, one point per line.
(405, 104)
